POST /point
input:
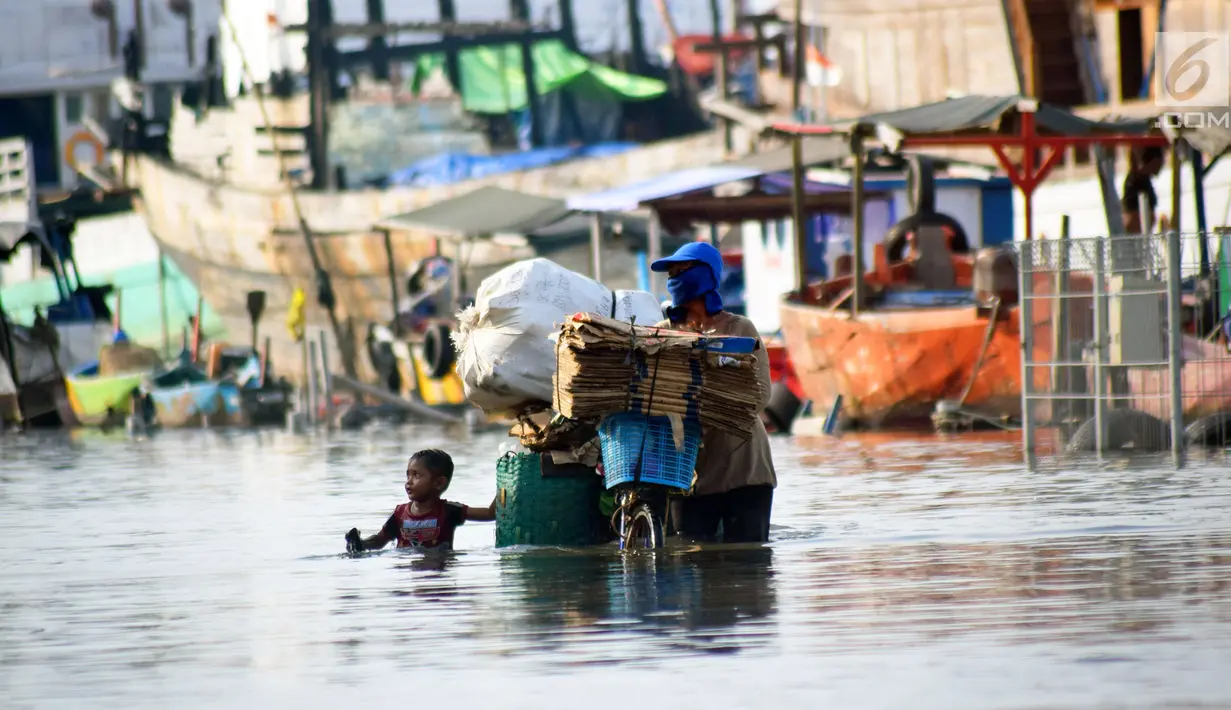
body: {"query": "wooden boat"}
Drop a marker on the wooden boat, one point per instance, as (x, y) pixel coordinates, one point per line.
(921, 340)
(196, 404)
(103, 400)
(892, 367)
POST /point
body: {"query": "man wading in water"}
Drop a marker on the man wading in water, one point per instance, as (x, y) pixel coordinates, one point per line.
(735, 478)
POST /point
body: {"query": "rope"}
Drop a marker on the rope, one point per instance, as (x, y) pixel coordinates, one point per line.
(987, 342)
(649, 407)
(325, 295)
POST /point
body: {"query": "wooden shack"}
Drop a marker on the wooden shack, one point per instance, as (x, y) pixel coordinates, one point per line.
(898, 53)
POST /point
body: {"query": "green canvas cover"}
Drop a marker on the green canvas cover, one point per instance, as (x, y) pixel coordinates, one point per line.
(493, 81)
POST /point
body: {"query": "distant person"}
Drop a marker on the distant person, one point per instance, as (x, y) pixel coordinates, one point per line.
(427, 520)
(1144, 166)
(735, 478)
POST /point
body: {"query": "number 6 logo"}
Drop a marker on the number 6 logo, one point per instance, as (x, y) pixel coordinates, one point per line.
(1193, 68)
(1182, 65)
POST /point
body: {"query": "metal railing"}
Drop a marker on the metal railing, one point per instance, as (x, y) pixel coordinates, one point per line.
(1123, 348)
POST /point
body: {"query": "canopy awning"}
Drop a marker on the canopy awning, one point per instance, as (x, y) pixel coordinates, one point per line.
(487, 210)
(992, 114)
(629, 197)
(1211, 140)
(679, 212)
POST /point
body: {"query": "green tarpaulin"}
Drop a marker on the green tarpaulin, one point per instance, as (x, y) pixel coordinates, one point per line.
(493, 81)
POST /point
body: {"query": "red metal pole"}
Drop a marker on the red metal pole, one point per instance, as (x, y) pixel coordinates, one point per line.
(1027, 187)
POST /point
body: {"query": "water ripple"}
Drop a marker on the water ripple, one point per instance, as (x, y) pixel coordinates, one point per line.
(203, 569)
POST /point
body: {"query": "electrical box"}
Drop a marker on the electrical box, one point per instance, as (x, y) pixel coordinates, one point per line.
(1136, 322)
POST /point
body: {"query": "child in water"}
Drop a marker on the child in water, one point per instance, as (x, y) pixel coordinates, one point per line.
(427, 521)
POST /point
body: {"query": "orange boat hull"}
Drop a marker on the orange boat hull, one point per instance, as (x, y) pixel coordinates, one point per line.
(892, 366)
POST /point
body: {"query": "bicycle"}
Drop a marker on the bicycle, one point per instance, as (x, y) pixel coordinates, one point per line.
(645, 474)
(637, 521)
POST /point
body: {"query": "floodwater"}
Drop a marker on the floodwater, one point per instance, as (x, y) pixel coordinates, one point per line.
(202, 569)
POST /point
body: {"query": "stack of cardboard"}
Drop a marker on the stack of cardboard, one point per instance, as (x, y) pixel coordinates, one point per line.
(605, 366)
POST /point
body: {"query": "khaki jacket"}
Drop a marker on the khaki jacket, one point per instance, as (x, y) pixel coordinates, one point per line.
(727, 462)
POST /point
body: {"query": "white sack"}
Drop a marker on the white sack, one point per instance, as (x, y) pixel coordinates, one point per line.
(505, 357)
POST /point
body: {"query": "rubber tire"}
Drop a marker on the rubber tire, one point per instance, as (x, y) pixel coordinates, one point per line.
(783, 407)
(438, 353)
(921, 184)
(1126, 428)
(895, 238)
(642, 517)
(385, 364)
(1213, 431)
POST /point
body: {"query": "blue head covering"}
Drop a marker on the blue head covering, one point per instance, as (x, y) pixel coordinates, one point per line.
(698, 282)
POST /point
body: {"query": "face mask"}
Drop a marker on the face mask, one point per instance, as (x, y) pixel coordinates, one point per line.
(688, 286)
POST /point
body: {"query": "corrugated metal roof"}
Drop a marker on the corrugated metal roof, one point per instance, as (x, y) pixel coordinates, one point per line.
(985, 113)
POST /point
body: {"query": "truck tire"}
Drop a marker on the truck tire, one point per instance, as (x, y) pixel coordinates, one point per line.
(1126, 429)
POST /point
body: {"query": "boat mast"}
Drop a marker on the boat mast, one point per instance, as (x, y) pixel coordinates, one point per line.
(320, 18)
(520, 12)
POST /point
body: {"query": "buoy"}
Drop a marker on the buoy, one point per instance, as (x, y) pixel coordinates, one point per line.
(70, 149)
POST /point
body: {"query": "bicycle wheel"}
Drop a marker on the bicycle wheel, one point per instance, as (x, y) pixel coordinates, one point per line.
(642, 529)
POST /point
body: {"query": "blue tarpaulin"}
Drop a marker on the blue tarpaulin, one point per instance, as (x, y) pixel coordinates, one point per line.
(449, 168)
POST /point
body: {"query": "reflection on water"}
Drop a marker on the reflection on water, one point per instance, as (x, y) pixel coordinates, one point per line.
(204, 569)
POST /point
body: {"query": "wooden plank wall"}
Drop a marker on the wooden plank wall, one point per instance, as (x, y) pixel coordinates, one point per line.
(899, 53)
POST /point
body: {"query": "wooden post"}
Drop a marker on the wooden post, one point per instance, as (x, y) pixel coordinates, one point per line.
(722, 81)
(596, 247)
(1203, 244)
(313, 391)
(655, 239)
(326, 381)
(139, 26)
(520, 10)
(857, 217)
(797, 213)
(1176, 203)
(393, 282)
(319, 90)
(1061, 374)
(162, 303)
(448, 13)
(758, 34)
(196, 330)
(636, 37)
(305, 389)
(265, 363)
(378, 47)
(568, 24)
(797, 67)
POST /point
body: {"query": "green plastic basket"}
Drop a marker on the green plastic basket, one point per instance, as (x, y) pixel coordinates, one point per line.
(559, 508)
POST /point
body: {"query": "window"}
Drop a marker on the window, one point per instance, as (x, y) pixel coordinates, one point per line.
(74, 107)
(100, 106)
(163, 100)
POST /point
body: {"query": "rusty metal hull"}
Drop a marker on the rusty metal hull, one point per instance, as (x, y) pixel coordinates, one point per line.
(891, 367)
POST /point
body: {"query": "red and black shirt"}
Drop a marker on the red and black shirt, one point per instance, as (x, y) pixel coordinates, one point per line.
(432, 529)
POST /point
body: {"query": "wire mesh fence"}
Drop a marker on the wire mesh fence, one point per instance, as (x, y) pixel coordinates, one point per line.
(1124, 345)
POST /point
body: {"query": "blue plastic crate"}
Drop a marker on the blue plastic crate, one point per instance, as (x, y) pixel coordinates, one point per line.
(635, 443)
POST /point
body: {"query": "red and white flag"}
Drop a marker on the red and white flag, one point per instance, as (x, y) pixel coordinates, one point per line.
(819, 70)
